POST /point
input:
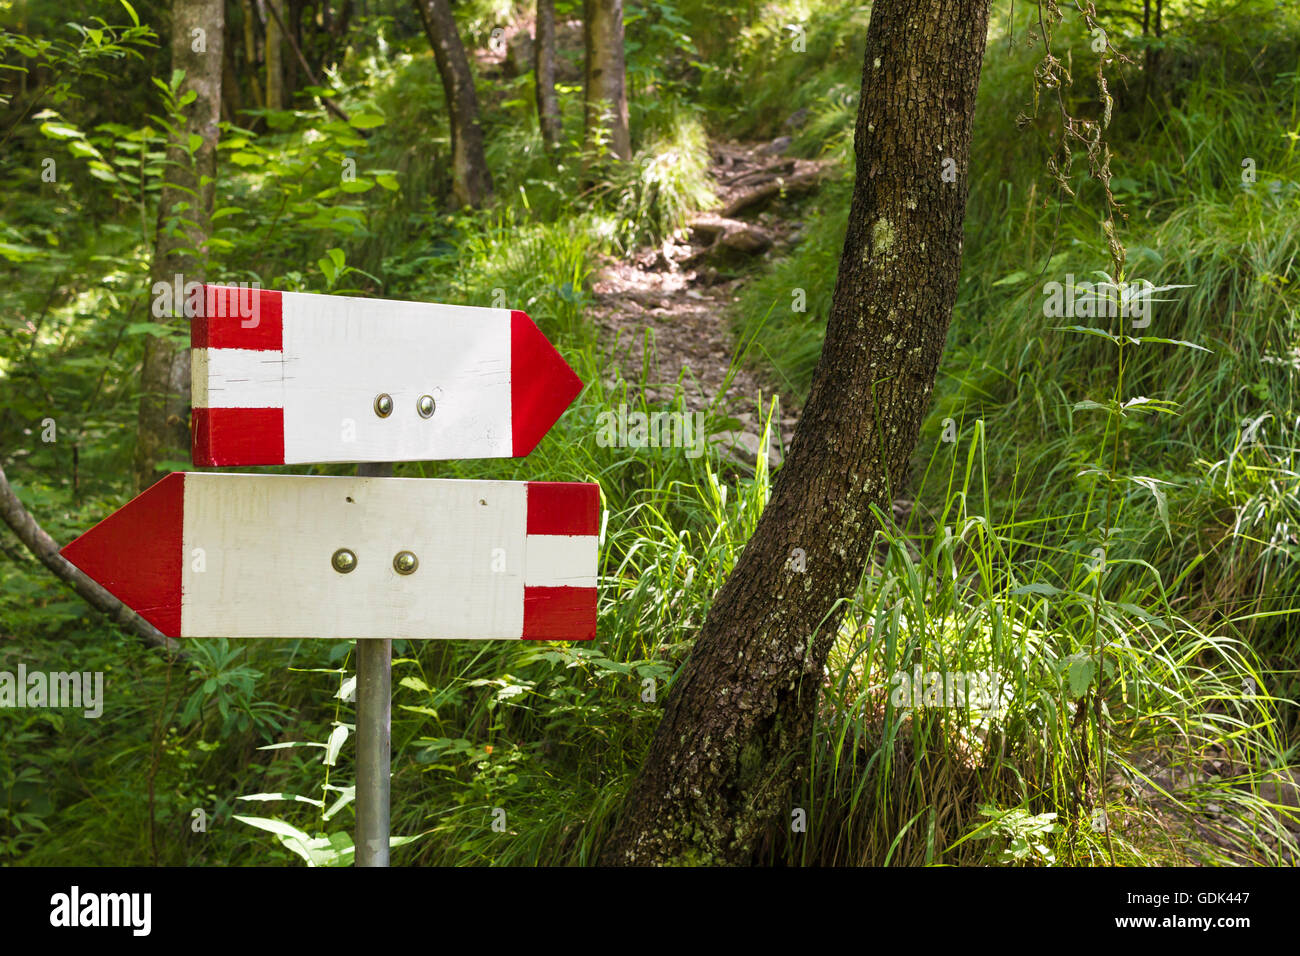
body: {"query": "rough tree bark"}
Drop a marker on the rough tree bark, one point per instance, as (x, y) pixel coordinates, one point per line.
(471, 183)
(548, 103)
(718, 777)
(163, 429)
(605, 113)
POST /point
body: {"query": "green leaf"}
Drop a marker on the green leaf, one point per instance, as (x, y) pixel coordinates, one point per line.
(1081, 672)
(19, 253)
(367, 121)
(59, 131)
(135, 18)
(292, 838)
(282, 796)
(1037, 587)
(1099, 333)
(79, 147)
(337, 737)
(1088, 404)
(348, 795)
(1162, 503)
(1179, 342)
(278, 827)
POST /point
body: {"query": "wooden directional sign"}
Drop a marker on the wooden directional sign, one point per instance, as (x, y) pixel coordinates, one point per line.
(230, 555)
(292, 378)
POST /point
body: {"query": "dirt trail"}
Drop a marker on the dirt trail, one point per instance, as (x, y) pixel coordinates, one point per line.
(678, 294)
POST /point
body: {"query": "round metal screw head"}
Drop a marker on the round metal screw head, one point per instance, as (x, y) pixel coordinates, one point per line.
(344, 561)
(425, 405)
(383, 404)
(404, 562)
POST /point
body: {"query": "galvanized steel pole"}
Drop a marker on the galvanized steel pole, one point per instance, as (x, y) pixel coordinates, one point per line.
(374, 732)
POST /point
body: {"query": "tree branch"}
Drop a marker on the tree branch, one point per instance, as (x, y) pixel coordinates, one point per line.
(46, 550)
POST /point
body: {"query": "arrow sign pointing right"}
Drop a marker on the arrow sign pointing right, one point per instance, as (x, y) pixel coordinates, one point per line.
(226, 555)
(283, 378)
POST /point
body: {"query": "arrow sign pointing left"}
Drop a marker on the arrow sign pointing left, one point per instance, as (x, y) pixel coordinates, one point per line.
(282, 378)
(228, 555)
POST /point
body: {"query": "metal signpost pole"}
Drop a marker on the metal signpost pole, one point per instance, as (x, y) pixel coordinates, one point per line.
(374, 732)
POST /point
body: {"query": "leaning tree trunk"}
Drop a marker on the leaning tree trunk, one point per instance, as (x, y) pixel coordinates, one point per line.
(548, 103)
(471, 183)
(163, 427)
(605, 114)
(734, 736)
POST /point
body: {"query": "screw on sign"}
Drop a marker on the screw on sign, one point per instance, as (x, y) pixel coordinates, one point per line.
(290, 378)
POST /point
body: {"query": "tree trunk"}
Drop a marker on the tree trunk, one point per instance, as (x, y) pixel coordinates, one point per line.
(230, 100)
(250, 52)
(292, 12)
(605, 114)
(163, 429)
(274, 57)
(548, 104)
(717, 781)
(471, 183)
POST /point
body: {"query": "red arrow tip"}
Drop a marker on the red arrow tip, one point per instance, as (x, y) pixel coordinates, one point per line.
(541, 383)
(136, 553)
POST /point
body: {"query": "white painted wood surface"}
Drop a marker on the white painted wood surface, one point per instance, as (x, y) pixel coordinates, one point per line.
(264, 544)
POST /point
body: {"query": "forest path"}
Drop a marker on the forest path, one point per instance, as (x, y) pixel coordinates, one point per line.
(681, 294)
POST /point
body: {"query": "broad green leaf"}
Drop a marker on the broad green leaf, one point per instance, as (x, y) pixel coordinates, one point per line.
(1081, 672)
(60, 131)
(79, 147)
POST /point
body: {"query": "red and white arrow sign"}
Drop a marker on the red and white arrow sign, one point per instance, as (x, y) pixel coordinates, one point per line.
(292, 378)
(228, 555)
